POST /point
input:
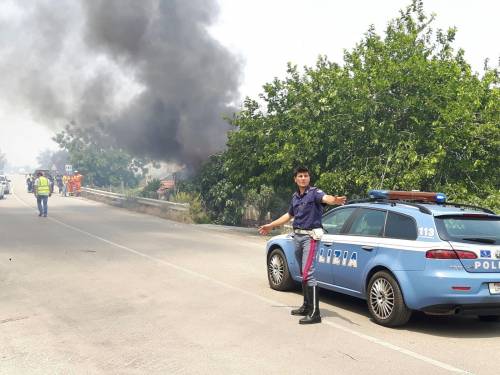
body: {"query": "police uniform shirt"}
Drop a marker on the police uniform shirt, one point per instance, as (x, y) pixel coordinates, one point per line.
(307, 208)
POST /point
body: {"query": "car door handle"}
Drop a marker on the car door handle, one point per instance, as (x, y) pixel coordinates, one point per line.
(367, 248)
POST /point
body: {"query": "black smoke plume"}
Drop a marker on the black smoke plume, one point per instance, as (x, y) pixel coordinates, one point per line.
(146, 70)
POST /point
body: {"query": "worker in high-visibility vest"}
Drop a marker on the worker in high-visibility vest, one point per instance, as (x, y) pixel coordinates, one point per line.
(42, 193)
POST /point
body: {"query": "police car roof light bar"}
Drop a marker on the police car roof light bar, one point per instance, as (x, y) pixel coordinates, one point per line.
(421, 196)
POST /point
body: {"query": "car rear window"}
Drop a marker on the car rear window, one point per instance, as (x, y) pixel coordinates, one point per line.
(470, 228)
(400, 226)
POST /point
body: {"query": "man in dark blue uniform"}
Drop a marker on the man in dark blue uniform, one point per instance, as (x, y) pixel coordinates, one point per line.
(306, 209)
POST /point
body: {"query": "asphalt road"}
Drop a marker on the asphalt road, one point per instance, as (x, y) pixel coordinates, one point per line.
(94, 289)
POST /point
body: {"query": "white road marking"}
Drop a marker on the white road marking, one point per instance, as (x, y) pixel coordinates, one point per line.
(369, 338)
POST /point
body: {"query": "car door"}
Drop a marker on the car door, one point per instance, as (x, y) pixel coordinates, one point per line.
(333, 224)
(357, 247)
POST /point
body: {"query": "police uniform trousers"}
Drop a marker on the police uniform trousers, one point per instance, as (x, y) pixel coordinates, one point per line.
(305, 254)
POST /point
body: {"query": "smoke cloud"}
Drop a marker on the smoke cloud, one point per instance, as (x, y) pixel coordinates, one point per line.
(147, 70)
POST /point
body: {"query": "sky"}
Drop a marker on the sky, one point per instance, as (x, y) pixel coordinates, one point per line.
(262, 36)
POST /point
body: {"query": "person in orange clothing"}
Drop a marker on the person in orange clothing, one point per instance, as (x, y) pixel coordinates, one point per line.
(77, 183)
(70, 185)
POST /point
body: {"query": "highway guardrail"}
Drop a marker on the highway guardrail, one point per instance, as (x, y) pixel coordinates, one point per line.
(166, 209)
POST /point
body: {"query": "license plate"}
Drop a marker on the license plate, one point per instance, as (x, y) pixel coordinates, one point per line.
(494, 288)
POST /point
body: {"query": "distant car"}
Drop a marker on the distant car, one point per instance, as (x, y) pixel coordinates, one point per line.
(402, 254)
(5, 182)
(2, 196)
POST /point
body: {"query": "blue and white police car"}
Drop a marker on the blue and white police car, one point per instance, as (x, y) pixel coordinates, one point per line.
(403, 251)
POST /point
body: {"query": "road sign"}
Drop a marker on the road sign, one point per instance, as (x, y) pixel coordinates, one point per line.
(68, 168)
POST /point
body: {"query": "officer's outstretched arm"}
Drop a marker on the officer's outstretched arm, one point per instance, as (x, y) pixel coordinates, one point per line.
(265, 229)
(334, 200)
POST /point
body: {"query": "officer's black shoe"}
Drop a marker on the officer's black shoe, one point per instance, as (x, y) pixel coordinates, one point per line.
(304, 309)
(313, 316)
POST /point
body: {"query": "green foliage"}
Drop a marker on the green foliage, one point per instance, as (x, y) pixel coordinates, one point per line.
(131, 193)
(262, 200)
(196, 211)
(222, 198)
(182, 197)
(404, 111)
(189, 185)
(93, 153)
(150, 190)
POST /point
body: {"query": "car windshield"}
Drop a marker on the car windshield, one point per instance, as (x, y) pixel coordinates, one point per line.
(469, 228)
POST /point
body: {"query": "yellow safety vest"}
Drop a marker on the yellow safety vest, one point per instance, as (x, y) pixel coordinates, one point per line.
(43, 186)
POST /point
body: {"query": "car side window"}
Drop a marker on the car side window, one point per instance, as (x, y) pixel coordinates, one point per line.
(400, 226)
(368, 223)
(335, 220)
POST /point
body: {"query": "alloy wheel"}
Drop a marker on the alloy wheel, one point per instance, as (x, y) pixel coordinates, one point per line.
(382, 298)
(276, 269)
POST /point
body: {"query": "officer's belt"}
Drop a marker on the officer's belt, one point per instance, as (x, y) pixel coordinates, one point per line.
(302, 231)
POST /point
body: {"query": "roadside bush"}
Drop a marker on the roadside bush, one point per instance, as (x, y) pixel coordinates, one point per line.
(149, 191)
(182, 197)
(131, 194)
(196, 210)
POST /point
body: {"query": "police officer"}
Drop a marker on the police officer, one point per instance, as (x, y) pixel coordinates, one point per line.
(306, 209)
(42, 193)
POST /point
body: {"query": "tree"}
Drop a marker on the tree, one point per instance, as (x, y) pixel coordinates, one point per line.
(222, 199)
(404, 111)
(262, 200)
(48, 159)
(93, 153)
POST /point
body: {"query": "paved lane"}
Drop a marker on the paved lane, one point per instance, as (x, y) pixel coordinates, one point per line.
(94, 289)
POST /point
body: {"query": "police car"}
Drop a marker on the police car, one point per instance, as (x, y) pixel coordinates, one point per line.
(403, 251)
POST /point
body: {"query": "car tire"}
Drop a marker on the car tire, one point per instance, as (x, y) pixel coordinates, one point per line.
(489, 318)
(278, 273)
(385, 301)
